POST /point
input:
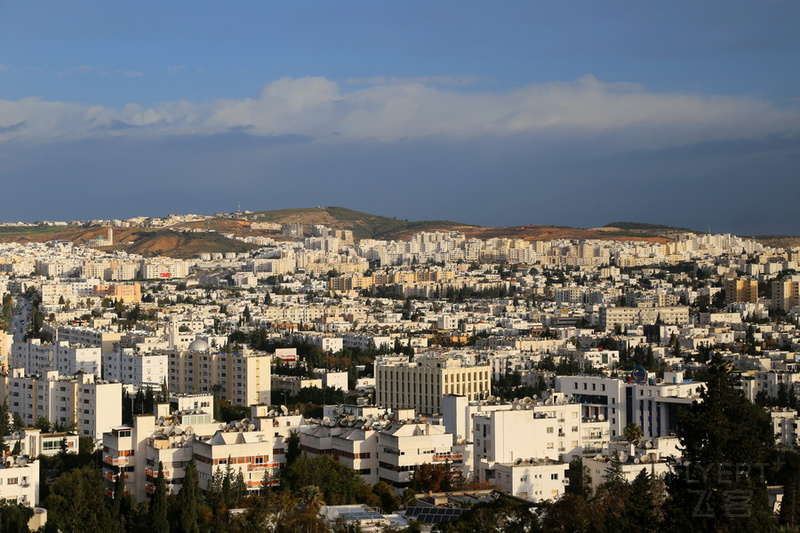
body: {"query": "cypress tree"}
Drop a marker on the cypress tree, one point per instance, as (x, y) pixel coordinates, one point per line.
(158, 507)
(187, 500)
(728, 450)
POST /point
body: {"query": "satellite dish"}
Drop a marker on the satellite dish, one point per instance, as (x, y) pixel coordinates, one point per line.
(601, 417)
(284, 409)
(636, 460)
(645, 458)
(649, 444)
(623, 457)
(491, 398)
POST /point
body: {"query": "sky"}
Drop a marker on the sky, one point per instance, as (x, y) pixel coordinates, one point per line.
(574, 113)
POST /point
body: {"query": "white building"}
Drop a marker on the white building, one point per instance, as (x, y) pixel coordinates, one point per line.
(19, 481)
(94, 406)
(536, 480)
(256, 447)
(128, 366)
(530, 431)
(68, 359)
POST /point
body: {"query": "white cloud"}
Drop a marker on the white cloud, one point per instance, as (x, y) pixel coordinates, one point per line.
(319, 108)
(426, 80)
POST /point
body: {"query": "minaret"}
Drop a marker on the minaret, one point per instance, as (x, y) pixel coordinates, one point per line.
(110, 236)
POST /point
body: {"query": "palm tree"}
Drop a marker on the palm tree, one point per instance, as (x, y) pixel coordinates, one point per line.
(633, 433)
(311, 496)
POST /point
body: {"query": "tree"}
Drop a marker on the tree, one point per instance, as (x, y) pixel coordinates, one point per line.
(643, 505)
(188, 499)
(728, 445)
(338, 483)
(5, 427)
(633, 433)
(43, 424)
(292, 448)
(580, 482)
(158, 506)
(14, 517)
(77, 502)
(497, 516)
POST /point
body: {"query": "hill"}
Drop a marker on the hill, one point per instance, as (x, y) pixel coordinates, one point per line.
(146, 242)
(209, 236)
(363, 225)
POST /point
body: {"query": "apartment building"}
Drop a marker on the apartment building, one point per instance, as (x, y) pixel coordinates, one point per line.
(366, 342)
(420, 385)
(254, 447)
(68, 359)
(19, 481)
(629, 316)
(163, 268)
(740, 290)
(89, 337)
(93, 405)
(6, 340)
(244, 377)
(531, 430)
(32, 442)
(126, 292)
(291, 385)
(786, 293)
(531, 479)
(651, 404)
(127, 365)
(403, 447)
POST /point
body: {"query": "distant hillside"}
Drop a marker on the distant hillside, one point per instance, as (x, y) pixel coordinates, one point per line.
(180, 244)
(208, 235)
(644, 227)
(146, 242)
(778, 241)
(363, 225)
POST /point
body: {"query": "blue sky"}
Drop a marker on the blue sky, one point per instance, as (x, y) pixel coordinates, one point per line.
(494, 113)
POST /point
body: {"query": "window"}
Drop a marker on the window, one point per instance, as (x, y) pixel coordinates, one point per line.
(553, 476)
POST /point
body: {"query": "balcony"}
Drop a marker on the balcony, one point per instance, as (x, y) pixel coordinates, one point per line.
(261, 466)
(115, 461)
(154, 473)
(447, 457)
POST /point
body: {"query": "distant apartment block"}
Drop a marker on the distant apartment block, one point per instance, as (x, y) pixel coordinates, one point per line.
(740, 290)
(627, 316)
(420, 385)
(244, 378)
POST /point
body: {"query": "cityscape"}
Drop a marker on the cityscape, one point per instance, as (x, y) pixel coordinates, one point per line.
(383, 267)
(433, 374)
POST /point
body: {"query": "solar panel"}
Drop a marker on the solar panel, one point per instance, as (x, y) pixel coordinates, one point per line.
(434, 515)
